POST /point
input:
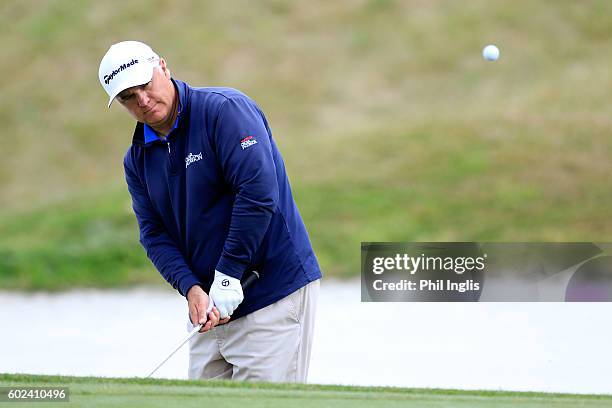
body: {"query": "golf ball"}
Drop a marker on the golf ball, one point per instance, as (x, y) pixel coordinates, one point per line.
(490, 52)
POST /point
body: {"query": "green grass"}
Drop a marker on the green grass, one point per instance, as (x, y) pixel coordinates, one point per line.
(103, 392)
(391, 124)
(90, 243)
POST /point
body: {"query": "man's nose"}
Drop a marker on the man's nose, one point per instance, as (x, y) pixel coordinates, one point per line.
(142, 98)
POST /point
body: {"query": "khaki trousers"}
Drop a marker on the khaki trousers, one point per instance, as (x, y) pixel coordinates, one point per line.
(271, 344)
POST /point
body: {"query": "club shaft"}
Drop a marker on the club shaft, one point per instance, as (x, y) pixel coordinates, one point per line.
(189, 336)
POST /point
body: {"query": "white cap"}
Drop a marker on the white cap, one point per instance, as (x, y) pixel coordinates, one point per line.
(126, 64)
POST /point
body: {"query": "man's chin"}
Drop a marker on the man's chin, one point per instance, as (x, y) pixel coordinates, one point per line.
(153, 118)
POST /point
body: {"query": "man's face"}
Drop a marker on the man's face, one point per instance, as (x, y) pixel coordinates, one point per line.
(152, 102)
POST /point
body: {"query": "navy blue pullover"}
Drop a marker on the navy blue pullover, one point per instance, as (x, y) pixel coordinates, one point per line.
(215, 195)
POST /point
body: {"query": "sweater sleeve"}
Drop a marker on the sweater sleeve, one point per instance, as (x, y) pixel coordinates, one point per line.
(160, 247)
(244, 151)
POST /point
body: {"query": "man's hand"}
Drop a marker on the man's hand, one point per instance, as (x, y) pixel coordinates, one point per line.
(201, 310)
(226, 294)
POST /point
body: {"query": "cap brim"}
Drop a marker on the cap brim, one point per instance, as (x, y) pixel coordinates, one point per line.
(139, 75)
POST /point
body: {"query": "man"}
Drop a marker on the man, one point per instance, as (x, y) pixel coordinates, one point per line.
(213, 203)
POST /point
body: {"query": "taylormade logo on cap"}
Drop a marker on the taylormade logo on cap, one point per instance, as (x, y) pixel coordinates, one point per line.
(126, 64)
(109, 77)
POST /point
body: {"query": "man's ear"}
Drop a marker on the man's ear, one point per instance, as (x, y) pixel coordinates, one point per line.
(164, 67)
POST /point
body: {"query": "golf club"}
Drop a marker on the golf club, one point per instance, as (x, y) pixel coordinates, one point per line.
(252, 277)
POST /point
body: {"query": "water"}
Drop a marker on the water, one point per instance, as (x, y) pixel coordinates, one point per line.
(555, 347)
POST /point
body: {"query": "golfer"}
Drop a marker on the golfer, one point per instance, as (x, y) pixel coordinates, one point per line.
(213, 203)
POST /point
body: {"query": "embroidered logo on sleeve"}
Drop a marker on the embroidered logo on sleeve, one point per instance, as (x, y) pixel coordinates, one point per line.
(247, 142)
(192, 158)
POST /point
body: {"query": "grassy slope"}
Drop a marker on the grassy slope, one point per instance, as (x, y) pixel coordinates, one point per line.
(103, 392)
(392, 126)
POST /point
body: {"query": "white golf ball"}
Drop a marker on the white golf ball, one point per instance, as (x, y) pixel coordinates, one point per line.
(490, 53)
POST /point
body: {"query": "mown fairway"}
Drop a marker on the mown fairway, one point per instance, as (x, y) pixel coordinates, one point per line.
(97, 392)
(391, 124)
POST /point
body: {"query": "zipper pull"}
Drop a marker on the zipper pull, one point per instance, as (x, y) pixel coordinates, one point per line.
(168, 147)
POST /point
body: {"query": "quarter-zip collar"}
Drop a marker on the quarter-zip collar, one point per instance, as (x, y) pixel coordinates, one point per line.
(151, 136)
(144, 135)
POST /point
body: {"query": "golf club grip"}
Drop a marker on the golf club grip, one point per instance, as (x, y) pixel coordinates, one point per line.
(248, 281)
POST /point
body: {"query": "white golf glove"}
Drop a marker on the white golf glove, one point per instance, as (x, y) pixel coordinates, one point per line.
(226, 294)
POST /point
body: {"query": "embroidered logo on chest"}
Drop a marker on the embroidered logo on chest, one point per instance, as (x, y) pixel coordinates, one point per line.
(192, 158)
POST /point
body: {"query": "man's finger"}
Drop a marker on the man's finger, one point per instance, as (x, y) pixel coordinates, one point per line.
(206, 327)
(193, 315)
(202, 315)
(222, 312)
(214, 317)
